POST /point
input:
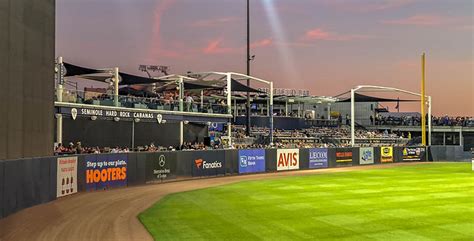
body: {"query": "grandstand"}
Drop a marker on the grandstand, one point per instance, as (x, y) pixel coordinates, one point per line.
(196, 110)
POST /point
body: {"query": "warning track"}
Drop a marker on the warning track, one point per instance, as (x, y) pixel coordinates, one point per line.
(112, 214)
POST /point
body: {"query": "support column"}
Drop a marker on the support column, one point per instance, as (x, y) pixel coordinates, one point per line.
(429, 120)
(229, 108)
(133, 136)
(59, 90)
(444, 138)
(181, 93)
(460, 137)
(352, 118)
(59, 128)
(116, 86)
(271, 113)
(181, 133)
(329, 111)
(286, 108)
(202, 100)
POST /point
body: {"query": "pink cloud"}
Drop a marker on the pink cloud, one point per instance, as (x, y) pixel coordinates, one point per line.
(215, 46)
(423, 20)
(214, 22)
(379, 5)
(262, 43)
(321, 34)
(156, 45)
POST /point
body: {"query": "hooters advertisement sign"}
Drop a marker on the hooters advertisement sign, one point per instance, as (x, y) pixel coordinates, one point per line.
(288, 159)
(66, 176)
(106, 171)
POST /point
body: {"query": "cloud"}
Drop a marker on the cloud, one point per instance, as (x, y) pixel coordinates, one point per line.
(423, 20)
(215, 46)
(262, 43)
(321, 34)
(156, 48)
(214, 22)
(374, 6)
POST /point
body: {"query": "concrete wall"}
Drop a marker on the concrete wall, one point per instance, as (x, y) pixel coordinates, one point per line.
(27, 35)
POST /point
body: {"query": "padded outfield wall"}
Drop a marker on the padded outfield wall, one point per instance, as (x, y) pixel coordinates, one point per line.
(27, 35)
(28, 182)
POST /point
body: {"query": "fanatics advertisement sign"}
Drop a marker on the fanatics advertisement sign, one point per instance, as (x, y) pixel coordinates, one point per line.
(251, 161)
(366, 155)
(106, 171)
(318, 158)
(386, 154)
(288, 159)
(208, 163)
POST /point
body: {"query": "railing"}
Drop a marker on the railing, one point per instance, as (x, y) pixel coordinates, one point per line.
(165, 102)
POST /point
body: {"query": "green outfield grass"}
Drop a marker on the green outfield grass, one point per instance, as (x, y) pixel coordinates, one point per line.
(421, 202)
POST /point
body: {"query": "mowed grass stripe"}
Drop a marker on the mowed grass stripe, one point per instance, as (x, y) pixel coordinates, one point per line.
(420, 202)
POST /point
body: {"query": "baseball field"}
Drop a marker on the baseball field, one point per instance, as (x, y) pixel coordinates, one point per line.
(416, 202)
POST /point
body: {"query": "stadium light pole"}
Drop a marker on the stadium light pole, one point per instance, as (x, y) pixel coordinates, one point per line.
(248, 70)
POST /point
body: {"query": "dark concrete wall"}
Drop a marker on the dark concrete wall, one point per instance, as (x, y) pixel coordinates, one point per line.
(27, 35)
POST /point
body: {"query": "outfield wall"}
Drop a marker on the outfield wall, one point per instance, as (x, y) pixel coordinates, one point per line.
(28, 182)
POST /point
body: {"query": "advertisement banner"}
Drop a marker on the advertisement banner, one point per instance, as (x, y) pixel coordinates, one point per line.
(413, 153)
(208, 163)
(66, 176)
(288, 159)
(106, 171)
(343, 157)
(318, 158)
(251, 161)
(386, 154)
(366, 155)
(160, 166)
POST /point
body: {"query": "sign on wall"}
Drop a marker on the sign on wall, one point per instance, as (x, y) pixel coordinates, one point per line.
(366, 155)
(344, 156)
(251, 161)
(159, 166)
(66, 176)
(386, 154)
(208, 163)
(413, 153)
(318, 158)
(106, 171)
(288, 159)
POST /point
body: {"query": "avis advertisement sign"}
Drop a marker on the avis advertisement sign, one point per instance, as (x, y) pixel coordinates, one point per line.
(66, 176)
(413, 153)
(208, 164)
(251, 161)
(106, 171)
(318, 158)
(366, 155)
(386, 154)
(288, 159)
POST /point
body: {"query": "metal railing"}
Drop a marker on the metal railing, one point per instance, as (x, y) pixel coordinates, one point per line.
(165, 102)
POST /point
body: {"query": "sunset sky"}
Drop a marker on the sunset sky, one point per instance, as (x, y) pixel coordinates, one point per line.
(326, 46)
